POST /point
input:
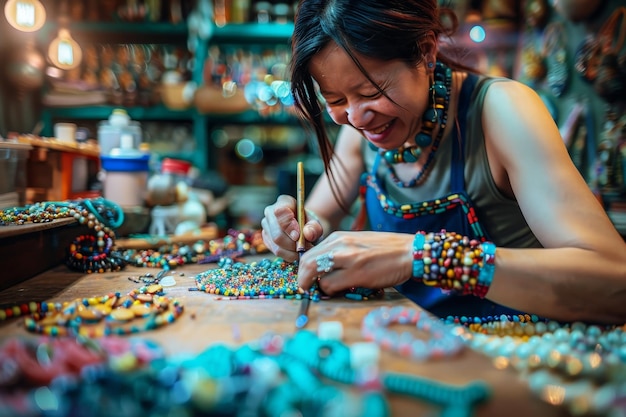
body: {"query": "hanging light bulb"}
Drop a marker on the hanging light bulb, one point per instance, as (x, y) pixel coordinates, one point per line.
(64, 52)
(25, 15)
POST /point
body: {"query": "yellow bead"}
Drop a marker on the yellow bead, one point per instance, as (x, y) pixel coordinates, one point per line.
(16, 311)
(32, 306)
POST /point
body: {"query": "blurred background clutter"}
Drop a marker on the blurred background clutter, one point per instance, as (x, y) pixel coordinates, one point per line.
(186, 103)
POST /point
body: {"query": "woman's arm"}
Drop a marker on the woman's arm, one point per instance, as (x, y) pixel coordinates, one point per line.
(581, 272)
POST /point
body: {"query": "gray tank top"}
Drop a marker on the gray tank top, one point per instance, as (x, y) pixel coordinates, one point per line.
(499, 215)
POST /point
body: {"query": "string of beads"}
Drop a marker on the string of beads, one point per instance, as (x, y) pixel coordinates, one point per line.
(87, 253)
(235, 244)
(110, 314)
(441, 341)
(453, 262)
(576, 365)
(436, 115)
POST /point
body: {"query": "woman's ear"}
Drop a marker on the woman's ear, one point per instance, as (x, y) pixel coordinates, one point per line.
(428, 45)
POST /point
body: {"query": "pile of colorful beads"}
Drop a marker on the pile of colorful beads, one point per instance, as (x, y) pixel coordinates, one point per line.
(264, 279)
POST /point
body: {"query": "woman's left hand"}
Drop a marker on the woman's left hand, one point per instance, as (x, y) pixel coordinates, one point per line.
(357, 259)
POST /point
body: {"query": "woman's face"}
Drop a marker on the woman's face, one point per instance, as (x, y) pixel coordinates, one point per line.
(352, 99)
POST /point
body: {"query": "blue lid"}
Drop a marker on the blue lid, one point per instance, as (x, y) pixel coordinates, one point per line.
(126, 163)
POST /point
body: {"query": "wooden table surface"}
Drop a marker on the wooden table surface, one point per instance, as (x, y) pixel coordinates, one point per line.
(207, 320)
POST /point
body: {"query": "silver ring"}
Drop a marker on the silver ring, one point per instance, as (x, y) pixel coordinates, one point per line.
(325, 262)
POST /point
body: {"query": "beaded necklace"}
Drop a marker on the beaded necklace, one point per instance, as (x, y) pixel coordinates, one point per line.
(582, 364)
(87, 253)
(436, 115)
(95, 317)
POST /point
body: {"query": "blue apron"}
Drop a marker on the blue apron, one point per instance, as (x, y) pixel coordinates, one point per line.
(454, 213)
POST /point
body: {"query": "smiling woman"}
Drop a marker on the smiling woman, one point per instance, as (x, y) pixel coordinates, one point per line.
(449, 168)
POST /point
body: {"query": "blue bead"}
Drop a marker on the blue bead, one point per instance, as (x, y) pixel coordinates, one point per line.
(423, 139)
(439, 90)
(409, 156)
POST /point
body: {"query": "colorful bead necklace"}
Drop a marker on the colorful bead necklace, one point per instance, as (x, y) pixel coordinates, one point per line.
(437, 115)
(442, 342)
(583, 364)
(95, 317)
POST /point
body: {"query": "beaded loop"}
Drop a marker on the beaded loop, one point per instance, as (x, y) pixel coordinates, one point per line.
(442, 342)
(453, 262)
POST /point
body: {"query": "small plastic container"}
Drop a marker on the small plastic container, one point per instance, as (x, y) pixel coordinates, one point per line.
(126, 174)
(110, 131)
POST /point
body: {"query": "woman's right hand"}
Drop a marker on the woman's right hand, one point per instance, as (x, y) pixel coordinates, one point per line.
(281, 231)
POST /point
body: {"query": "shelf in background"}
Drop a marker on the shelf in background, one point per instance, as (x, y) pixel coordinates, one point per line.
(156, 112)
(252, 33)
(127, 32)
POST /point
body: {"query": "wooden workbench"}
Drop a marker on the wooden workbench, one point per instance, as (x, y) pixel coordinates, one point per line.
(206, 321)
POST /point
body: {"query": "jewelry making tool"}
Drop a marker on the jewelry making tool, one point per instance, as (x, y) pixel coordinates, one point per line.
(303, 316)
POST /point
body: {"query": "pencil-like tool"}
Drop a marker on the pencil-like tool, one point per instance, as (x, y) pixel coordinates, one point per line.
(300, 246)
(303, 314)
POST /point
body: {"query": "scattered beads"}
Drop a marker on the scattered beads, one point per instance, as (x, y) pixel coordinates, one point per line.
(442, 342)
(234, 245)
(265, 279)
(276, 375)
(453, 262)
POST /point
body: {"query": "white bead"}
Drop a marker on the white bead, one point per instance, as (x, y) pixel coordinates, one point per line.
(364, 354)
(330, 330)
(265, 371)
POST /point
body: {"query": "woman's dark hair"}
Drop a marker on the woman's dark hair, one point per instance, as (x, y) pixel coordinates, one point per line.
(384, 30)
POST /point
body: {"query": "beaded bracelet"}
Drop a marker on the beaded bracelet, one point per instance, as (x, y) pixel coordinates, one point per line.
(442, 341)
(453, 262)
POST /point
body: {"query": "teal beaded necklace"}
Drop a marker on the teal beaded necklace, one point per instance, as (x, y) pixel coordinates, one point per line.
(435, 115)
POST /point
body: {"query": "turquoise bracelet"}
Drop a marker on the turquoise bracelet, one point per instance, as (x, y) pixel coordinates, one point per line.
(418, 260)
(485, 277)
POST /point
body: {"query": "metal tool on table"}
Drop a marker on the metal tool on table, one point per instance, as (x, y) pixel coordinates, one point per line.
(303, 314)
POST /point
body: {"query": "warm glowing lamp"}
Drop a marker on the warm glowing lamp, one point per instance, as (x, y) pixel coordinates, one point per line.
(25, 15)
(64, 52)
